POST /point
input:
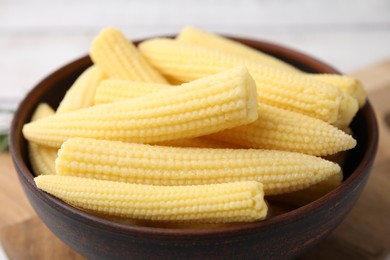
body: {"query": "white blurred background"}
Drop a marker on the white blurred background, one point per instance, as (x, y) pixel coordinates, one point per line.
(39, 36)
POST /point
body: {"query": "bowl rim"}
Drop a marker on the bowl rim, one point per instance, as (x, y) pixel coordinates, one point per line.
(26, 175)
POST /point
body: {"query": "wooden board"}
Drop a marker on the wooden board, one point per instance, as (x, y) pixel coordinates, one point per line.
(15, 206)
(38, 243)
(364, 234)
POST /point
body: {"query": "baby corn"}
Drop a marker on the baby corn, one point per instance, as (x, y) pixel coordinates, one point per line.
(81, 94)
(279, 171)
(215, 203)
(41, 157)
(347, 84)
(279, 129)
(276, 128)
(119, 58)
(198, 37)
(291, 91)
(201, 107)
(111, 90)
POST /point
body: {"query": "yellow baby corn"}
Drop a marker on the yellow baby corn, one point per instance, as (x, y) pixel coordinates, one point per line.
(275, 128)
(41, 157)
(280, 129)
(201, 107)
(346, 83)
(119, 58)
(81, 93)
(291, 91)
(199, 142)
(311, 193)
(111, 90)
(279, 171)
(196, 36)
(216, 203)
(43, 110)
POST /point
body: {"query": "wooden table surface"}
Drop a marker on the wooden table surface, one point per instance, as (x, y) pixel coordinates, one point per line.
(365, 233)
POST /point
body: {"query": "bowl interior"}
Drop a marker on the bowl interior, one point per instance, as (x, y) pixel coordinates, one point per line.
(53, 88)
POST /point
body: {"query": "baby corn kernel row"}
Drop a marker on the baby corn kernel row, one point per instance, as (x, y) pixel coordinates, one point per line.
(279, 171)
(200, 107)
(42, 157)
(198, 129)
(215, 203)
(275, 128)
(280, 88)
(119, 58)
(198, 37)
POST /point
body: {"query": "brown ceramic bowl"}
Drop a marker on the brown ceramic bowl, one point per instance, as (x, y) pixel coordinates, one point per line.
(280, 237)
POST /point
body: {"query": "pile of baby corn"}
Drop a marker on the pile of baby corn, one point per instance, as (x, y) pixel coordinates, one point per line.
(196, 129)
